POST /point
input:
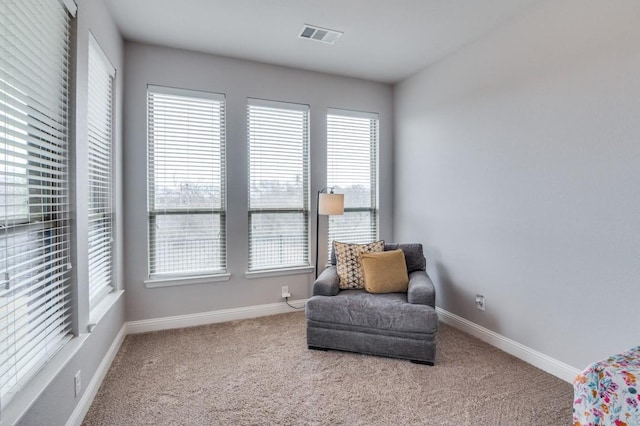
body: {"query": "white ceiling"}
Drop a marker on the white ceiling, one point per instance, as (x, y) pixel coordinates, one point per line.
(384, 40)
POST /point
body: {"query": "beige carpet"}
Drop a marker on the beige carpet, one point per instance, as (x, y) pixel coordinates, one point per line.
(260, 372)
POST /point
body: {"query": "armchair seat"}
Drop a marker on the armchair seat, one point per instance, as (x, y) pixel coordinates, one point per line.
(399, 325)
(379, 312)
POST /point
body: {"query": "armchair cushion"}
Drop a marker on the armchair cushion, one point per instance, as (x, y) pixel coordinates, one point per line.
(412, 254)
(370, 312)
(348, 262)
(384, 272)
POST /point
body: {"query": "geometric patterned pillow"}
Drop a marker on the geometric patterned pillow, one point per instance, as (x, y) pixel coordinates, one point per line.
(348, 262)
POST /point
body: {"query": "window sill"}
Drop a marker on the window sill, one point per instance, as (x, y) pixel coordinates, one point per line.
(102, 308)
(279, 272)
(177, 281)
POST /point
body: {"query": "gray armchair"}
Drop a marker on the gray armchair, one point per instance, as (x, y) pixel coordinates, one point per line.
(398, 325)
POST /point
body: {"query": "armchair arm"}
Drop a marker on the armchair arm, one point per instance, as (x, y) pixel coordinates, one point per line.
(327, 284)
(421, 289)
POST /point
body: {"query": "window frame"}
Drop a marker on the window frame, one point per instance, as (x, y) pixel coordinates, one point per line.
(304, 266)
(105, 215)
(39, 273)
(196, 276)
(374, 172)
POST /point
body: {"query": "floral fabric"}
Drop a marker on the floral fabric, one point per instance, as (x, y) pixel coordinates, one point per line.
(606, 393)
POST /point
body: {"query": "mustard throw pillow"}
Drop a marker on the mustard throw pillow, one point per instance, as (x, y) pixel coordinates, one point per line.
(385, 272)
(348, 262)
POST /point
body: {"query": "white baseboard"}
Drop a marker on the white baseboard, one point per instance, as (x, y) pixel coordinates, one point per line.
(92, 389)
(202, 318)
(525, 353)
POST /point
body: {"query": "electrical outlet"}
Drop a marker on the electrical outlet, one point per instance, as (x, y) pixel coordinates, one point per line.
(480, 302)
(77, 383)
(285, 292)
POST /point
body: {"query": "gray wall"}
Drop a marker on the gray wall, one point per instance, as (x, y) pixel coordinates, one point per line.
(145, 64)
(57, 401)
(518, 166)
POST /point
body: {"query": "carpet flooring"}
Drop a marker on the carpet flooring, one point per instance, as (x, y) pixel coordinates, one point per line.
(260, 372)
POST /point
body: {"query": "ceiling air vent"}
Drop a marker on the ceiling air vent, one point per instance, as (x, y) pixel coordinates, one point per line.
(324, 35)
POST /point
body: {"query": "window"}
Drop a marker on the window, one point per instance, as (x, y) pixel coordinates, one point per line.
(352, 141)
(35, 288)
(101, 75)
(278, 135)
(186, 183)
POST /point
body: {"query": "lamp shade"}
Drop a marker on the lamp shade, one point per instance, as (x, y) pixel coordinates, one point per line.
(331, 204)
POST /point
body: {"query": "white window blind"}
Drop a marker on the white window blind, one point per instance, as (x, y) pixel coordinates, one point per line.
(186, 183)
(35, 293)
(101, 75)
(352, 141)
(278, 138)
